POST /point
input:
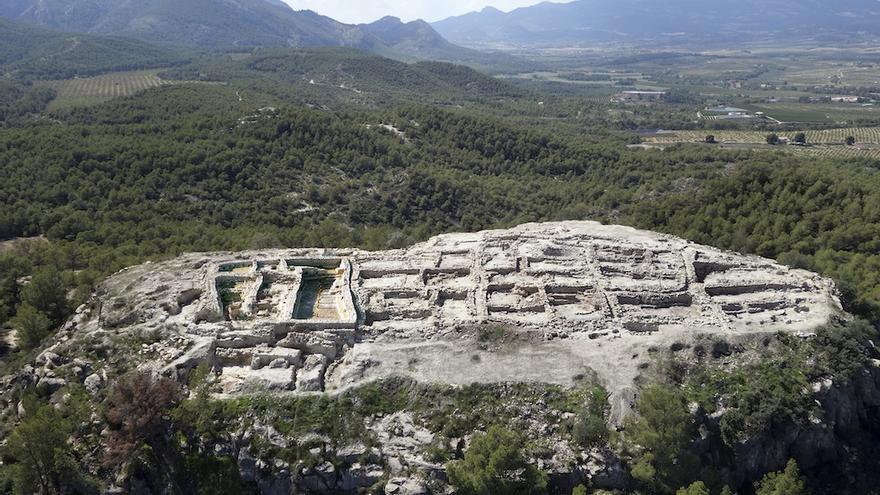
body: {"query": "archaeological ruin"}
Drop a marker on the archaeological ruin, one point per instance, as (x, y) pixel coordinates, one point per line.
(587, 296)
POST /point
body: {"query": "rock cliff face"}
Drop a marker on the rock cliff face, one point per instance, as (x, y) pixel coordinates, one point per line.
(583, 296)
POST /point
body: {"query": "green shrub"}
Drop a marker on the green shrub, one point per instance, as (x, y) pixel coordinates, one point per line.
(787, 482)
(696, 488)
(763, 397)
(8, 292)
(42, 459)
(203, 474)
(47, 292)
(838, 350)
(656, 442)
(437, 452)
(495, 464)
(33, 326)
(590, 428)
(775, 391)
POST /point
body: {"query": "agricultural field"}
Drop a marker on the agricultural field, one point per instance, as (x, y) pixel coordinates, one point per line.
(610, 78)
(840, 152)
(827, 142)
(845, 74)
(863, 135)
(794, 67)
(727, 92)
(92, 90)
(820, 113)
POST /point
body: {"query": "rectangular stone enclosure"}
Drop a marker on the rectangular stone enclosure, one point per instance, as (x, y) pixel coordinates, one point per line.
(298, 293)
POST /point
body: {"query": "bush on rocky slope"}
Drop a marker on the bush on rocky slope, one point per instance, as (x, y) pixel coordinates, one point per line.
(787, 482)
(38, 457)
(494, 463)
(655, 444)
(813, 399)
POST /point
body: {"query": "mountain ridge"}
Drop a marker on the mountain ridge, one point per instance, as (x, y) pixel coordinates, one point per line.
(231, 24)
(676, 22)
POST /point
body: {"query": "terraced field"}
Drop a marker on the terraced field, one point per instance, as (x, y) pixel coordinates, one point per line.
(91, 90)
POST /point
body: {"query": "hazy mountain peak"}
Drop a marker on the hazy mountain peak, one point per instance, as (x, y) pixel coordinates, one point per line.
(280, 3)
(389, 19)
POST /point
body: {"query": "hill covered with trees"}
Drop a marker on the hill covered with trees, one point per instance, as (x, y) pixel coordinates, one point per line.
(195, 167)
(337, 78)
(31, 52)
(333, 147)
(192, 167)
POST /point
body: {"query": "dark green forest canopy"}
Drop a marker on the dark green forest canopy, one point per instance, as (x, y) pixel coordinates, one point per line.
(19, 99)
(193, 167)
(192, 153)
(30, 52)
(367, 71)
(342, 78)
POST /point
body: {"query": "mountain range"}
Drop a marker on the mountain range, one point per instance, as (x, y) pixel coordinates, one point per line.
(226, 24)
(671, 22)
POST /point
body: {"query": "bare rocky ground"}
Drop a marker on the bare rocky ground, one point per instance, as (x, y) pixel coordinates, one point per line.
(545, 303)
(13, 244)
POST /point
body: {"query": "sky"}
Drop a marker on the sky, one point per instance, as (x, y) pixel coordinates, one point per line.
(360, 11)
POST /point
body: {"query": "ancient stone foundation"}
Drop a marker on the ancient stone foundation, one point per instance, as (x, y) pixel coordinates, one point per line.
(590, 297)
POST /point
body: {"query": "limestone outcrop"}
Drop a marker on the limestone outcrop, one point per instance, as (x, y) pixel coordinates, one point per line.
(458, 308)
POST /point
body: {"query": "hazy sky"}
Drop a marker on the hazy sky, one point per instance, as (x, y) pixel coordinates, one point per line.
(357, 11)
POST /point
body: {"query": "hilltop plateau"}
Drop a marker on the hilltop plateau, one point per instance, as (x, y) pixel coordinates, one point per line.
(519, 323)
